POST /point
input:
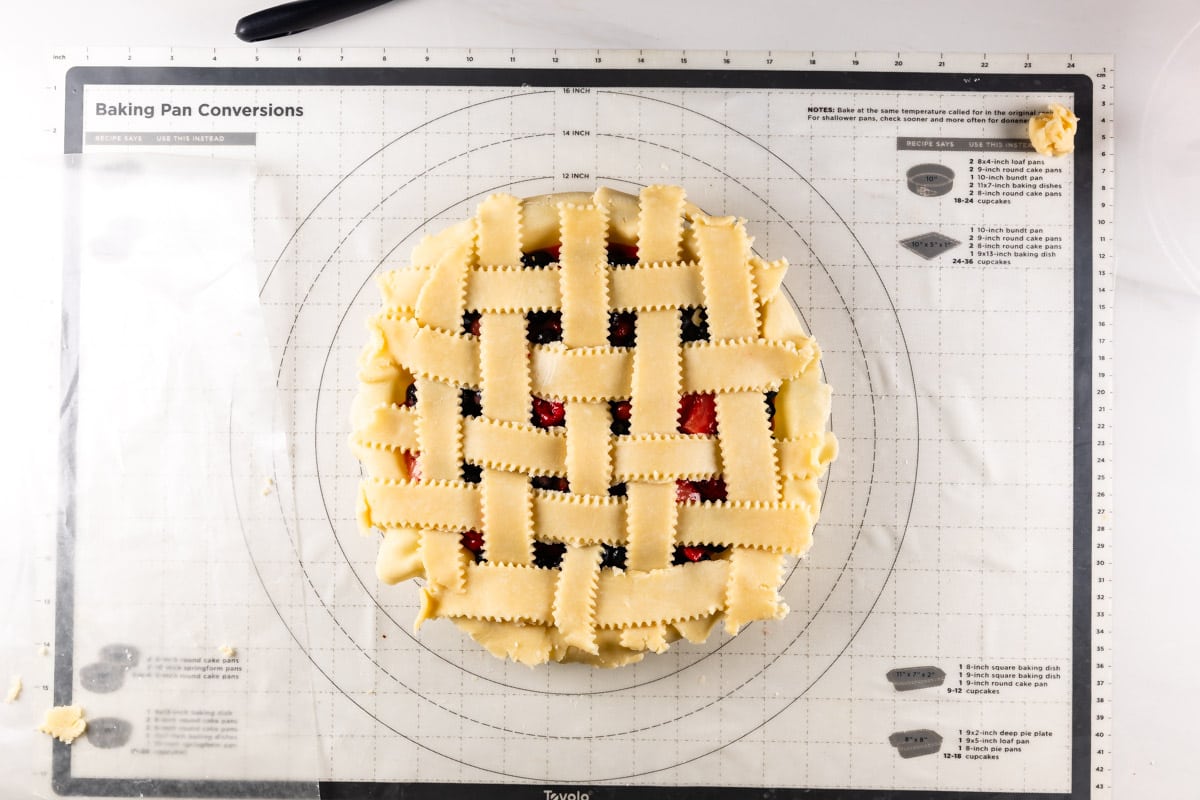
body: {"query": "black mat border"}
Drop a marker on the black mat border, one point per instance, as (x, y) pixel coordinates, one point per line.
(1080, 86)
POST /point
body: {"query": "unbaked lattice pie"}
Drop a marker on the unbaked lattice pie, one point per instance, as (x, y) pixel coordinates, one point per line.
(592, 424)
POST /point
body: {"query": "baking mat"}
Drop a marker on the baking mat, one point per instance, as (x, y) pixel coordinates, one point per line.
(947, 630)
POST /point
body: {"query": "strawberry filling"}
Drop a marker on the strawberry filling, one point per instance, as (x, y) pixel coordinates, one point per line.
(694, 553)
(473, 541)
(412, 465)
(712, 489)
(548, 413)
(685, 492)
(698, 414)
(550, 483)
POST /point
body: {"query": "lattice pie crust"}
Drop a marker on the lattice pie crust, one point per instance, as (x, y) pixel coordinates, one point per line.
(651, 526)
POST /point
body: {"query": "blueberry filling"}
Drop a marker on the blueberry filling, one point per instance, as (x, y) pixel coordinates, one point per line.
(471, 403)
(694, 324)
(612, 556)
(472, 473)
(410, 395)
(539, 258)
(622, 328)
(618, 490)
(470, 322)
(547, 555)
(543, 327)
(622, 255)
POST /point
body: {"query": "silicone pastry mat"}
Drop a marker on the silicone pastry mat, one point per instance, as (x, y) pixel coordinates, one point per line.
(941, 637)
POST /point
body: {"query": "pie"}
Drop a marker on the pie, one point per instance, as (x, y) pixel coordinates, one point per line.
(592, 425)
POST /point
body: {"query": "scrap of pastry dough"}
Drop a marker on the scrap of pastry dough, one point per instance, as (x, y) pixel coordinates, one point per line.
(14, 689)
(593, 424)
(65, 723)
(1053, 132)
(228, 650)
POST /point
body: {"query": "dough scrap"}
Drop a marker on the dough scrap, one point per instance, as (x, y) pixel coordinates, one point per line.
(1053, 132)
(65, 723)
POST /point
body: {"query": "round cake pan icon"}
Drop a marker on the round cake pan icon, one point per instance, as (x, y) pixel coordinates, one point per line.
(930, 180)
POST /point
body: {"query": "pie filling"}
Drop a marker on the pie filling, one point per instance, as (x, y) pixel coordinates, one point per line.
(697, 415)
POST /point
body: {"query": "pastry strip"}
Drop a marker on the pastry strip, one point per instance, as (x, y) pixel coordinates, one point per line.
(747, 447)
(742, 365)
(584, 280)
(781, 528)
(391, 426)
(657, 366)
(504, 369)
(507, 517)
(660, 223)
(429, 352)
(584, 275)
(515, 447)
(724, 251)
(665, 456)
(498, 230)
(447, 506)
(589, 463)
(641, 287)
(575, 597)
(623, 599)
(440, 303)
(560, 517)
(592, 373)
(807, 456)
(753, 576)
(651, 519)
(444, 559)
(439, 431)
(513, 289)
(380, 460)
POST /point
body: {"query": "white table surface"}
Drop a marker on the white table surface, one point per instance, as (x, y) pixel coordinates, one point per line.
(1157, 48)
